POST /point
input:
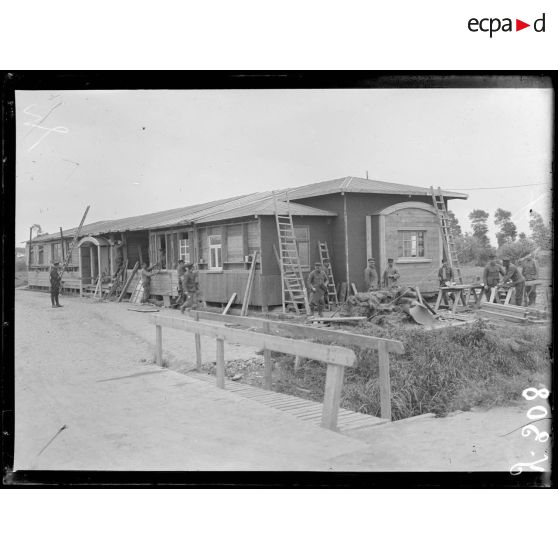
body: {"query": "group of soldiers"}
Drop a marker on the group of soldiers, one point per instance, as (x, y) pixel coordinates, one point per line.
(188, 284)
(508, 274)
(318, 282)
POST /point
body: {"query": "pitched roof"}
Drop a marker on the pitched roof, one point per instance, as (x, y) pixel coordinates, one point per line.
(362, 185)
(260, 203)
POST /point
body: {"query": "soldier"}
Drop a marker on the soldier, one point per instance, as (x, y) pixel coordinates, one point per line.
(391, 275)
(530, 271)
(491, 275)
(180, 270)
(317, 283)
(371, 275)
(146, 275)
(445, 274)
(118, 259)
(191, 287)
(55, 285)
(515, 277)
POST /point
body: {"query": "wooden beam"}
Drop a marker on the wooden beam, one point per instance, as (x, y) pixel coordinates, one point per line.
(220, 363)
(268, 364)
(158, 345)
(197, 340)
(229, 304)
(128, 281)
(332, 395)
(315, 351)
(307, 332)
(385, 385)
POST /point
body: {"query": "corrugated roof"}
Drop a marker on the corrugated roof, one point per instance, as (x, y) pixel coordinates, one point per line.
(362, 185)
(260, 203)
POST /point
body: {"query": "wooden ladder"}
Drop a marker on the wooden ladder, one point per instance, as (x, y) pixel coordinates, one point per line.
(450, 251)
(73, 243)
(293, 289)
(326, 266)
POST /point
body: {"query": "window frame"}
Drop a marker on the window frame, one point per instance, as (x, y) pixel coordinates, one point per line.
(216, 247)
(419, 242)
(306, 241)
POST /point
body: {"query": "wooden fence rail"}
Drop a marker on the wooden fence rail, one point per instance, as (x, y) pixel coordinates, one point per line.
(383, 346)
(337, 358)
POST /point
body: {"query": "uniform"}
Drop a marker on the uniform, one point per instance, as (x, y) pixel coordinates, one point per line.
(146, 282)
(370, 277)
(191, 288)
(390, 277)
(55, 287)
(445, 275)
(491, 276)
(530, 272)
(317, 283)
(514, 275)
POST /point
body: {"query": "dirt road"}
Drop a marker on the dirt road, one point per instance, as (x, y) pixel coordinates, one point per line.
(88, 367)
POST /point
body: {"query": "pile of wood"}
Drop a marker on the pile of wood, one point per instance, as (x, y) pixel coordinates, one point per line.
(512, 314)
(375, 303)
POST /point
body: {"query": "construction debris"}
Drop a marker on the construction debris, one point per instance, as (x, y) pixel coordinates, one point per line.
(513, 314)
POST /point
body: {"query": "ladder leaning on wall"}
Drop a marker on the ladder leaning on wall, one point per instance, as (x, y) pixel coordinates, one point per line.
(450, 251)
(293, 290)
(326, 266)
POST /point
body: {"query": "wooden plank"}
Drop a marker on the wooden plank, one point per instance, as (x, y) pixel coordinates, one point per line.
(326, 353)
(385, 386)
(345, 319)
(128, 281)
(502, 316)
(268, 371)
(197, 340)
(504, 308)
(307, 332)
(248, 291)
(220, 366)
(229, 304)
(159, 345)
(332, 395)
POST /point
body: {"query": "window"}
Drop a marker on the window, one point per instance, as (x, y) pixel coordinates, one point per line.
(235, 244)
(41, 255)
(184, 248)
(56, 253)
(302, 236)
(215, 260)
(411, 244)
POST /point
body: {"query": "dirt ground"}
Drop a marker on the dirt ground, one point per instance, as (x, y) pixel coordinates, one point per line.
(88, 396)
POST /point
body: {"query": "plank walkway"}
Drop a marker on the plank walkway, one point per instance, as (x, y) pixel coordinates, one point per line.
(306, 410)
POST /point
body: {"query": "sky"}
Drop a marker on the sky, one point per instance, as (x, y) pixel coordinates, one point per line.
(127, 153)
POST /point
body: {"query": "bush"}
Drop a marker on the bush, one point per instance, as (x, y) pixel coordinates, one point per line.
(441, 371)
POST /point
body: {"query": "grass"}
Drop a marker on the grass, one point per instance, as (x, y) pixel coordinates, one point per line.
(442, 370)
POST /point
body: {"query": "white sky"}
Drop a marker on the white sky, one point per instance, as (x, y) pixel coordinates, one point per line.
(145, 151)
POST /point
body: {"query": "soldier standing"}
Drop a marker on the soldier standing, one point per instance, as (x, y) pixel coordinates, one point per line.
(146, 275)
(491, 275)
(531, 273)
(514, 276)
(191, 288)
(317, 283)
(371, 275)
(55, 281)
(391, 275)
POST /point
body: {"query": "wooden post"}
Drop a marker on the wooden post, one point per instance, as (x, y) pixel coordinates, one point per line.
(197, 340)
(220, 363)
(385, 386)
(332, 395)
(297, 363)
(159, 345)
(267, 362)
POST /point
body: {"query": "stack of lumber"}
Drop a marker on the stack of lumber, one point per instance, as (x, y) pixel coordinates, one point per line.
(372, 303)
(511, 313)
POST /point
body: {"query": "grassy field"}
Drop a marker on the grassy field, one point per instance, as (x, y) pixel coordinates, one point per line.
(442, 370)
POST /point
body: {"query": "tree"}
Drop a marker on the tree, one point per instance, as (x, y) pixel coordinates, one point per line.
(508, 230)
(540, 232)
(522, 236)
(478, 219)
(454, 223)
(471, 249)
(516, 250)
